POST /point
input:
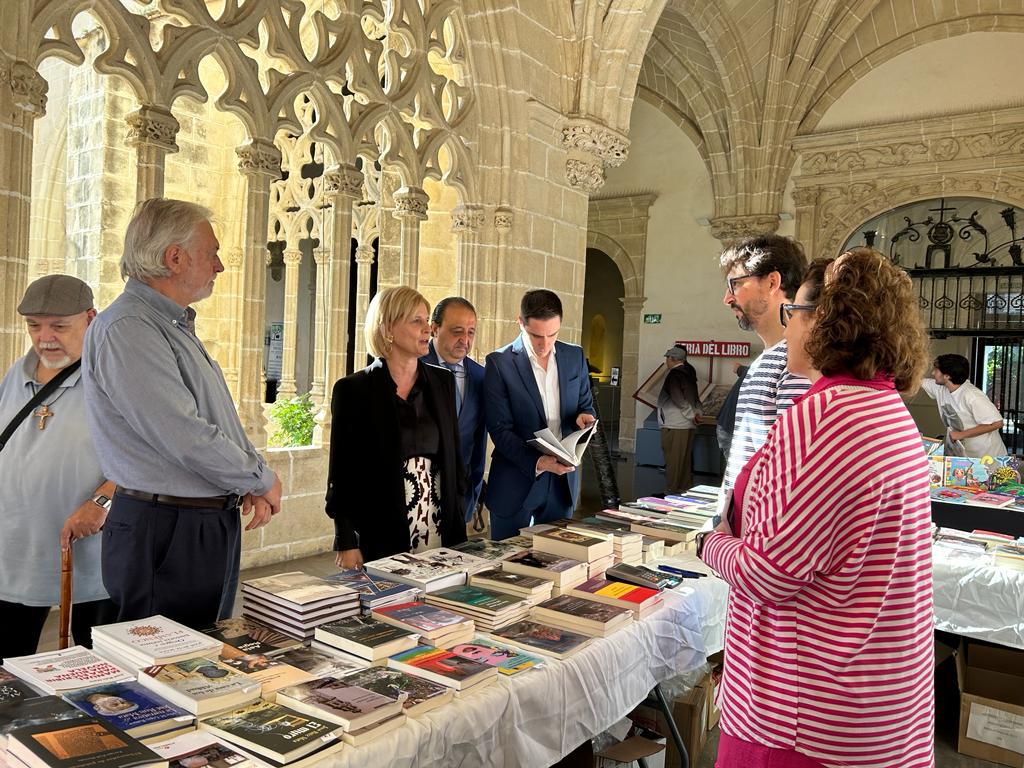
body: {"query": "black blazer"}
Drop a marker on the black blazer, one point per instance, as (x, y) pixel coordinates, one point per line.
(365, 490)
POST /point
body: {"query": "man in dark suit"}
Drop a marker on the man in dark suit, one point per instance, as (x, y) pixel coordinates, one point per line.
(453, 330)
(533, 383)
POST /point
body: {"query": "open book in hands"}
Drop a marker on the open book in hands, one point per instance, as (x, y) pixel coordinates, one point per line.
(570, 449)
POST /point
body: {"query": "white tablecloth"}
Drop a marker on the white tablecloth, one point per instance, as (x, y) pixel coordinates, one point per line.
(979, 600)
(535, 718)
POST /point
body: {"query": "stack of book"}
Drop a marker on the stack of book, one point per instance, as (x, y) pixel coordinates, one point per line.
(435, 626)
(426, 575)
(596, 552)
(135, 710)
(250, 636)
(654, 549)
(544, 639)
(578, 614)
(417, 694)
(276, 734)
(295, 603)
(57, 672)
(200, 748)
(627, 547)
(362, 713)
(530, 588)
(444, 667)
(563, 572)
(677, 536)
(31, 710)
(374, 592)
(271, 672)
(507, 660)
(322, 661)
(490, 550)
(201, 686)
(640, 600)
(488, 609)
(151, 641)
(85, 743)
(366, 637)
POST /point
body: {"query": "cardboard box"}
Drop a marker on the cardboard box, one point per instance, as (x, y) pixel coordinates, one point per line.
(690, 715)
(991, 682)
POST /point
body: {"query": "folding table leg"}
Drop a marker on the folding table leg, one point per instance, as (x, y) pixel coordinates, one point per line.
(641, 762)
(667, 711)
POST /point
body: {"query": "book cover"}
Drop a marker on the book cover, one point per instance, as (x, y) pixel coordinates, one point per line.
(200, 678)
(272, 730)
(339, 699)
(951, 495)
(199, 749)
(318, 663)
(994, 499)
(520, 580)
(127, 706)
(956, 472)
(614, 590)
(14, 689)
(250, 636)
(66, 670)
(411, 567)
(936, 471)
(489, 550)
(508, 661)
(299, 588)
(569, 537)
(425, 618)
(156, 638)
(85, 743)
(440, 662)
(31, 711)
(412, 691)
(364, 630)
(270, 672)
(541, 637)
(535, 559)
(370, 588)
(477, 597)
(454, 560)
(587, 610)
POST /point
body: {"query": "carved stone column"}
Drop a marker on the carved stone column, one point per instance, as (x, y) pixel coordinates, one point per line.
(364, 260)
(466, 223)
(732, 229)
(591, 147)
(292, 264)
(318, 367)
(342, 186)
(805, 200)
(503, 221)
(633, 307)
(260, 162)
(233, 258)
(152, 131)
(410, 209)
(22, 100)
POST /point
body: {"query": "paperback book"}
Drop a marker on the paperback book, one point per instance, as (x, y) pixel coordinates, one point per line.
(339, 701)
(506, 659)
(489, 550)
(152, 641)
(442, 666)
(56, 672)
(84, 743)
(582, 615)
(417, 694)
(273, 731)
(478, 602)
(570, 449)
(579, 546)
(430, 622)
(530, 588)
(200, 685)
(640, 600)
(541, 638)
(373, 591)
(271, 672)
(360, 736)
(427, 575)
(322, 663)
(14, 689)
(31, 711)
(131, 708)
(199, 749)
(249, 636)
(298, 591)
(366, 637)
(563, 571)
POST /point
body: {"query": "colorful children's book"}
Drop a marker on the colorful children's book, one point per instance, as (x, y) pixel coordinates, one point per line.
(442, 666)
(506, 659)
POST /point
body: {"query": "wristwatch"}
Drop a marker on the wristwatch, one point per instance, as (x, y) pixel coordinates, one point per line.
(699, 541)
(102, 501)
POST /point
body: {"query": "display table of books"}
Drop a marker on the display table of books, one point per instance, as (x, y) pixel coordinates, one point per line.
(978, 593)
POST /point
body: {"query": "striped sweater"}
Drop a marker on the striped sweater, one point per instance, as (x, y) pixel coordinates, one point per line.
(829, 629)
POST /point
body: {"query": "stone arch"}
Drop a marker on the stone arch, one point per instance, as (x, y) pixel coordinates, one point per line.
(632, 282)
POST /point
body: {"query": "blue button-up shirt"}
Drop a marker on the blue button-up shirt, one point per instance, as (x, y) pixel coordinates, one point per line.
(159, 410)
(45, 475)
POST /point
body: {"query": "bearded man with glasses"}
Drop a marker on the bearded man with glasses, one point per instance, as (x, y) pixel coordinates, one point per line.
(762, 274)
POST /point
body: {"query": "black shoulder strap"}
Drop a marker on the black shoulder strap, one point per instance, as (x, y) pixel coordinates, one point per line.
(41, 395)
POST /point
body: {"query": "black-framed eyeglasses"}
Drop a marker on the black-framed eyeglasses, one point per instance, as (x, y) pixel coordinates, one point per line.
(786, 311)
(730, 282)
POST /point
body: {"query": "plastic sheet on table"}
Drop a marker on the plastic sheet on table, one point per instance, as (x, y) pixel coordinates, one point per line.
(978, 599)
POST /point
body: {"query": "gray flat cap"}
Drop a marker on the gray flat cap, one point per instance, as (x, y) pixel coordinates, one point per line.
(60, 295)
(676, 353)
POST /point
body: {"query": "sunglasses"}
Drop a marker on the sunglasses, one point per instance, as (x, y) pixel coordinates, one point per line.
(786, 311)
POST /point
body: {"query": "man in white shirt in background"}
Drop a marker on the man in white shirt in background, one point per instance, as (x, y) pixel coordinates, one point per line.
(762, 275)
(972, 422)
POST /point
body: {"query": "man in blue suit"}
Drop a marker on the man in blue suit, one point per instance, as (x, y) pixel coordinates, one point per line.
(453, 328)
(533, 383)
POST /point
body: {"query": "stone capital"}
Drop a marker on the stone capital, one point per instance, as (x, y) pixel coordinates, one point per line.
(633, 303)
(411, 203)
(233, 257)
(343, 181)
(805, 196)
(467, 218)
(365, 254)
(259, 157)
(730, 229)
(292, 256)
(28, 88)
(152, 126)
(503, 218)
(592, 138)
(584, 174)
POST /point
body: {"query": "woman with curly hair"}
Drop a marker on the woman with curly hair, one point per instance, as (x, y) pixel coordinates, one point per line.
(826, 547)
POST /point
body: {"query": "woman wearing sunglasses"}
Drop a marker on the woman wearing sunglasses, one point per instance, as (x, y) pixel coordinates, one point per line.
(827, 548)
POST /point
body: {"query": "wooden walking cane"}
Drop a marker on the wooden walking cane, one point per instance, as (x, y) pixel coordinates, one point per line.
(66, 580)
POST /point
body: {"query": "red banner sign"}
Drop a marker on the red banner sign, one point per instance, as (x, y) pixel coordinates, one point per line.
(717, 348)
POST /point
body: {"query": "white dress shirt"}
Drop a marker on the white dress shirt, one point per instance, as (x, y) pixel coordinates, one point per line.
(547, 383)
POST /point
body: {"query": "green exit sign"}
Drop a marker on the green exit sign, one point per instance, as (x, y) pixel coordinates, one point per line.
(652, 319)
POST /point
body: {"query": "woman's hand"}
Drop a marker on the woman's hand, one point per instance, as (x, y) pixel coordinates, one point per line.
(348, 559)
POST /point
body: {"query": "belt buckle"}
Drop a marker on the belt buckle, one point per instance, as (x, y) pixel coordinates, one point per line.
(232, 501)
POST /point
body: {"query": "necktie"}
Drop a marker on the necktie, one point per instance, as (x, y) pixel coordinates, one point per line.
(455, 368)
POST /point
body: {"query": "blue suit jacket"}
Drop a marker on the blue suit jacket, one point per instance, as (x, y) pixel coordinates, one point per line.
(472, 428)
(515, 411)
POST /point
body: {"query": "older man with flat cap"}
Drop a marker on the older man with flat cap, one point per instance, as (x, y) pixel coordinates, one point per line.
(54, 491)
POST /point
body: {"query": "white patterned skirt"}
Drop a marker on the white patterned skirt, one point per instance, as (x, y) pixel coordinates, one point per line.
(422, 503)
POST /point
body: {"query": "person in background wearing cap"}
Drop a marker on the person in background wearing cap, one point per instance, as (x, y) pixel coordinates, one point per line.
(167, 431)
(54, 491)
(678, 406)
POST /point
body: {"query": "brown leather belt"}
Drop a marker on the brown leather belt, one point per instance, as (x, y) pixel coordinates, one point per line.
(231, 501)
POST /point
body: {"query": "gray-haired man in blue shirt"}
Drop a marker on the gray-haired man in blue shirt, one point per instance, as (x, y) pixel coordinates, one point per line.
(166, 430)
